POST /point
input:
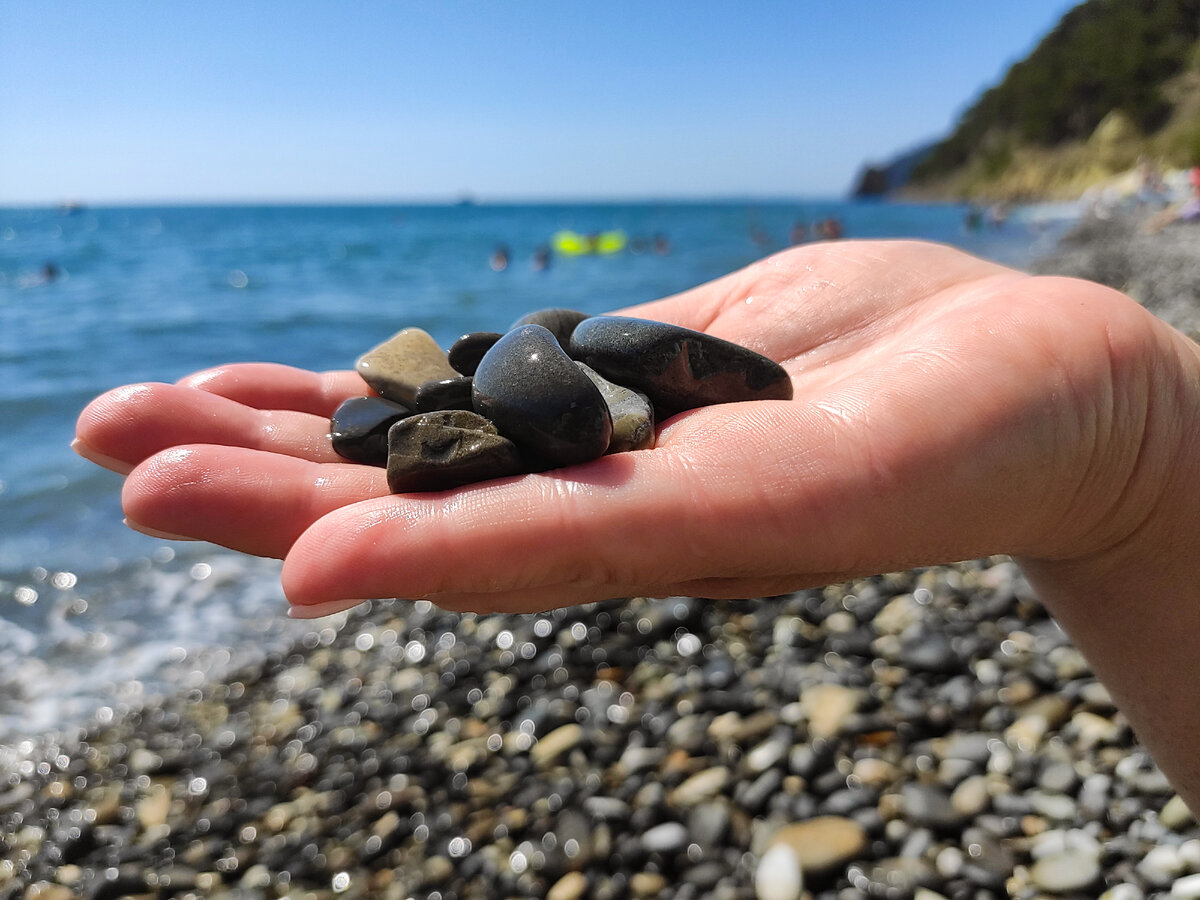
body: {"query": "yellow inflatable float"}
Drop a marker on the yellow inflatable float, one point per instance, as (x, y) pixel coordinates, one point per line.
(604, 243)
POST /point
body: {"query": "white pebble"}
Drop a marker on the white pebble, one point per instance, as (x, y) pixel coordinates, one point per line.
(1123, 892)
(1064, 872)
(778, 876)
(1058, 807)
(1189, 854)
(1061, 841)
(1161, 865)
(1188, 886)
(949, 862)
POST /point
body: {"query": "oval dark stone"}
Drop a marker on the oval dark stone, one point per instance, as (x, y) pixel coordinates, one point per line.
(540, 399)
(677, 368)
(560, 322)
(465, 353)
(440, 450)
(449, 393)
(359, 428)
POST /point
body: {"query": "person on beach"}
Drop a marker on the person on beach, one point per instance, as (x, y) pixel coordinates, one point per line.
(945, 408)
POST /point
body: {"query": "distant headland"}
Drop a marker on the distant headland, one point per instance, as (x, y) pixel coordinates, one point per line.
(1073, 115)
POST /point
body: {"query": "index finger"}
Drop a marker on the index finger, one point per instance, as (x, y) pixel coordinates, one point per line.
(276, 386)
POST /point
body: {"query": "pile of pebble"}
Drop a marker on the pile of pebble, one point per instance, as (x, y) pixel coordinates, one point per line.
(559, 388)
(926, 734)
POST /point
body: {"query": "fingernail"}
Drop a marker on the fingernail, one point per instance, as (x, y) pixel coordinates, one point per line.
(155, 533)
(107, 462)
(319, 610)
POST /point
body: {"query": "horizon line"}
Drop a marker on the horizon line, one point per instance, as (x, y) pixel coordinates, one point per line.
(465, 199)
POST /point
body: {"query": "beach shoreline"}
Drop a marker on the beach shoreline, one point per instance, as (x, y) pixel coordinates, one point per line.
(931, 730)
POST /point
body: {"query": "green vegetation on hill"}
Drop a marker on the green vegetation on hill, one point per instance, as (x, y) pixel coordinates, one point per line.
(1113, 81)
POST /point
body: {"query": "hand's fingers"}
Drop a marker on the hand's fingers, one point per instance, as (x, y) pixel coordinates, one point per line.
(274, 386)
(131, 423)
(636, 521)
(249, 500)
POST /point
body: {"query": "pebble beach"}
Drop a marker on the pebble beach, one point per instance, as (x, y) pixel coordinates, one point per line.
(923, 734)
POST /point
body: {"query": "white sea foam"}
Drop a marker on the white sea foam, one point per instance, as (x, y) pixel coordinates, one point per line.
(76, 643)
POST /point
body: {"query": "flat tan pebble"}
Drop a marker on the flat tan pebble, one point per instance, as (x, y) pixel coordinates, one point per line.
(823, 843)
(971, 797)
(645, 885)
(397, 367)
(875, 773)
(558, 742)
(702, 786)
(828, 706)
(571, 886)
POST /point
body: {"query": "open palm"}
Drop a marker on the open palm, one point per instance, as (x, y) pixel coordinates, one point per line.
(945, 408)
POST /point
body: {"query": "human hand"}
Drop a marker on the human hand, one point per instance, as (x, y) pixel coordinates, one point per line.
(945, 408)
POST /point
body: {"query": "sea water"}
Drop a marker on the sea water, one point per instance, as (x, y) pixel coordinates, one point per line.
(95, 617)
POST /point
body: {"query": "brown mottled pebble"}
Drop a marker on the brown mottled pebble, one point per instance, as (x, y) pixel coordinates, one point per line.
(440, 450)
(823, 843)
(402, 363)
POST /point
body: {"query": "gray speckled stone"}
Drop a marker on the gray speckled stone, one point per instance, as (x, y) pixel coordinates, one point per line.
(677, 368)
(539, 399)
(468, 350)
(359, 428)
(449, 393)
(402, 363)
(560, 322)
(632, 415)
(439, 450)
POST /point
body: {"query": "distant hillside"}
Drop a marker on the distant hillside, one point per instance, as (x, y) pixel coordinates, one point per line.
(878, 179)
(1114, 81)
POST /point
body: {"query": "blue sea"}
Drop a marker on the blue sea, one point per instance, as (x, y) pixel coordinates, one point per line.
(94, 617)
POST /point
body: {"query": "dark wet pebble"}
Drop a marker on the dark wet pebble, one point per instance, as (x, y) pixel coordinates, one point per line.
(930, 807)
(465, 353)
(439, 450)
(677, 368)
(540, 400)
(449, 393)
(559, 322)
(930, 652)
(359, 428)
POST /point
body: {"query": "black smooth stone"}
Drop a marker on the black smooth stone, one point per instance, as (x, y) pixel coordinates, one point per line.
(541, 400)
(468, 350)
(677, 368)
(560, 322)
(359, 428)
(450, 393)
(440, 450)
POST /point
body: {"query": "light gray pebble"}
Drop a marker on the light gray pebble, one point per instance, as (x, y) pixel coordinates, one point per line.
(669, 837)
(1057, 807)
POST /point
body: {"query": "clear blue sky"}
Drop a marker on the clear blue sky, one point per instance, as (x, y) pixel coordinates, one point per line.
(143, 101)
